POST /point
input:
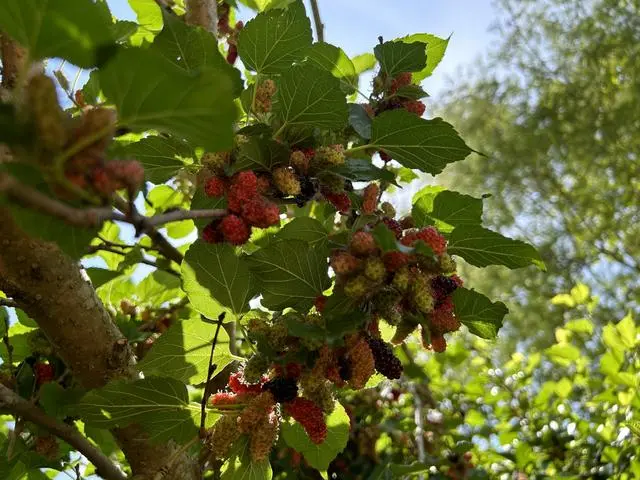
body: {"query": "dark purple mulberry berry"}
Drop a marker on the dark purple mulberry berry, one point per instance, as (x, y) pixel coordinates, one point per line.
(282, 389)
(386, 362)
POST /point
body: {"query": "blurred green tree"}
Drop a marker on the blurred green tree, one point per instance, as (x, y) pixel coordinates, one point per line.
(556, 108)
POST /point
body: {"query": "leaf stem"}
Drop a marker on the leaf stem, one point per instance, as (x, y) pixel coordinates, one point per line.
(357, 149)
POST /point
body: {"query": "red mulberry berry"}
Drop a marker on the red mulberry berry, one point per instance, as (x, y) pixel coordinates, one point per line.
(438, 343)
(341, 201)
(238, 385)
(247, 184)
(293, 370)
(232, 54)
(394, 260)
(370, 198)
(44, 373)
(211, 234)
(386, 362)
(214, 187)
(343, 263)
(443, 321)
(221, 399)
(320, 303)
(235, 230)
(401, 80)
(457, 279)
(363, 243)
(394, 226)
(264, 185)
(415, 106)
(310, 416)
(261, 213)
(384, 156)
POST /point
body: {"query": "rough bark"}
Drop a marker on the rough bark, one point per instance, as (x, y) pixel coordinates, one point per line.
(13, 56)
(203, 13)
(49, 286)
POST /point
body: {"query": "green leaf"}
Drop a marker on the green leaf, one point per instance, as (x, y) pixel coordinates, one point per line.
(627, 330)
(482, 247)
(480, 315)
(160, 405)
(183, 351)
(273, 40)
(303, 82)
(19, 336)
(397, 57)
(446, 209)
(436, 47)
(143, 86)
(305, 228)
(333, 60)
(320, 456)
(261, 154)
(634, 427)
(216, 280)
(77, 31)
(363, 170)
(149, 16)
(426, 145)
(582, 325)
(263, 5)
(240, 466)
(412, 92)
(406, 175)
(564, 353)
(291, 273)
(100, 276)
(57, 400)
(360, 120)
(364, 62)
(193, 49)
(385, 238)
(162, 157)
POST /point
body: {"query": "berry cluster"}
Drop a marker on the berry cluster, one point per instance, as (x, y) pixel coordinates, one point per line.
(246, 205)
(87, 135)
(394, 93)
(407, 287)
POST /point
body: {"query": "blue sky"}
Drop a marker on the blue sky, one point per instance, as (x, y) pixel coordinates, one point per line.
(355, 26)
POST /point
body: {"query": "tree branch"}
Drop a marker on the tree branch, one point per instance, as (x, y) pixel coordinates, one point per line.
(31, 198)
(203, 13)
(317, 20)
(7, 302)
(179, 215)
(15, 404)
(13, 57)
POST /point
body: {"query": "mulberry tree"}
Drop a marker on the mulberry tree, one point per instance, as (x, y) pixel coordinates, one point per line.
(198, 248)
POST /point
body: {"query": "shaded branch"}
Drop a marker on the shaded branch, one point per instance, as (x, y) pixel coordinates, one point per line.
(31, 198)
(203, 13)
(317, 20)
(7, 302)
(18, 406)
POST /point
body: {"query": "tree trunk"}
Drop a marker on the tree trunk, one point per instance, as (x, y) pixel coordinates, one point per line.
(50, 288)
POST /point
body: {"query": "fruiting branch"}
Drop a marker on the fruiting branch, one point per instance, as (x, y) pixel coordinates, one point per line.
(31, 198)
(11, 402)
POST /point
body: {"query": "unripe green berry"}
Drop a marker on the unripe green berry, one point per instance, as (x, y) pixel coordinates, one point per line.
(401, 279)
(374, 269)
(356, 287)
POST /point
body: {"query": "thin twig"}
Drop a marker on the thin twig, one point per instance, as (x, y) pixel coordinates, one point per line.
(10, 401)
(142, 226)
(317, 20)
(212, 368)
(151, 263)
(179, 215)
